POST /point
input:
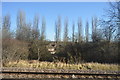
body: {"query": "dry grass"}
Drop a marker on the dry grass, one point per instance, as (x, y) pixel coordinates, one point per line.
(59, 65)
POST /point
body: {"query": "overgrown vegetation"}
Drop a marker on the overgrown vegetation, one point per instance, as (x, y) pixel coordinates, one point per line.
(52, 65)
(27, 43)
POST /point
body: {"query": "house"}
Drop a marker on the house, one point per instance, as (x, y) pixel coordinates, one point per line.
(52, 47)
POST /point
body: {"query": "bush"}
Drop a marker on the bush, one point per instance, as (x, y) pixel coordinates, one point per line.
(38, 51)
(14, 50)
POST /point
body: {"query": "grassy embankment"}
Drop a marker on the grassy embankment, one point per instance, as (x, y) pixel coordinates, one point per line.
(59, 65)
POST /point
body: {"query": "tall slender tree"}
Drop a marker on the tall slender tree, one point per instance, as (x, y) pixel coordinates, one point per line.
(35, 30)
(6, 27)
(87, 31)
(21, 23)
(56, 32)
(27, 32)
(97, 35)
(43, 29)
(23, 29)
(79, 30)
(21, 19)
(73, 32)
(94, 28)
(65, 38)
(58, 29)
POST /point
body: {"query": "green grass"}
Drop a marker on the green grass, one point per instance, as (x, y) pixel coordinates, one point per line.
(59, 65)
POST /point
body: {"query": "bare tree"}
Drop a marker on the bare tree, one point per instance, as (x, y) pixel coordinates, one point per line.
(73, 32)
(65, 38)
(87, 31)
(6, 27)
(21, 22)
(23, 31)
(118, 4)
(94, 29)
(35, 30)
(21, 19)
(56, 32)
(114, 17)
(43, 29)
(79, 30)
(112, 24)
(27, 32)
(108, 32)
(58, 29)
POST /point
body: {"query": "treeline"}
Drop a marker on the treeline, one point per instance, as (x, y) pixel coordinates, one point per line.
(29, 42)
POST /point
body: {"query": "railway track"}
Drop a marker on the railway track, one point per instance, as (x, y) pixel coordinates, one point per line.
(15, 73)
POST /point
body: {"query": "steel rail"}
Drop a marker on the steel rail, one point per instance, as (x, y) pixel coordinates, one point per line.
(57, 73)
